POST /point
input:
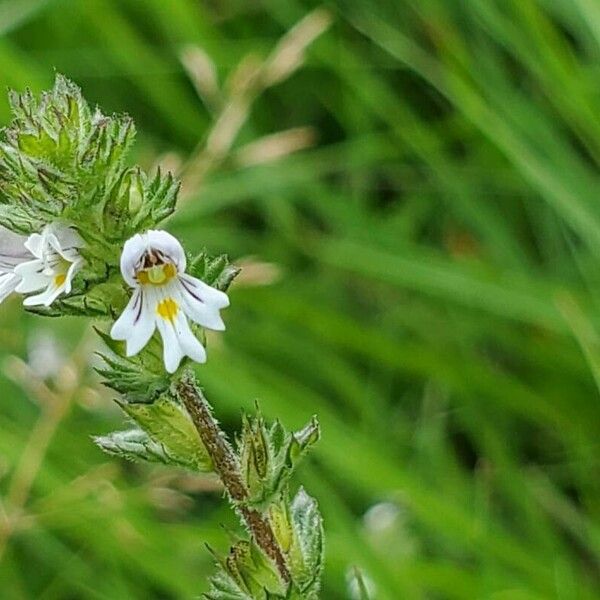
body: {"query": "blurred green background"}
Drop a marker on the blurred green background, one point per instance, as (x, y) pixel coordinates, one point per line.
(413, 190)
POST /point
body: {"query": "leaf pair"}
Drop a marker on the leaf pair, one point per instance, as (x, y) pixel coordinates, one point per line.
(247, 575)
(269, 456)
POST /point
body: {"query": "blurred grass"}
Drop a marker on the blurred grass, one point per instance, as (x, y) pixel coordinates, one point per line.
(437, 303)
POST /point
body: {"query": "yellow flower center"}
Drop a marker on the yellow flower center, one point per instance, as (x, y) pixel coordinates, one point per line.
(157, 275)
(167, 309)
(59, 279)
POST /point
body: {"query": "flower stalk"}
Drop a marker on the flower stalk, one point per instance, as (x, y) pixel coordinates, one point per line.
(227, 467)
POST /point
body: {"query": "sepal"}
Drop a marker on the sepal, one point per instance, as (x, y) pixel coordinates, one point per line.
(140, 378)
(215, 271)
(136, 202)
(305, 556)
(130, 378)
(246, 574)
(269, 457)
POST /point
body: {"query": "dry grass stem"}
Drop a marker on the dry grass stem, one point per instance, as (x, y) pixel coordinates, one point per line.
(245, 84)
(54, 405)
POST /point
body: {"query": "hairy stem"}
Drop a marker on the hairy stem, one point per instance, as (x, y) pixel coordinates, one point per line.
(227, 468)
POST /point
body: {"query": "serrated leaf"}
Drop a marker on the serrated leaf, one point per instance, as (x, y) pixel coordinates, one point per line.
(130, 378)
(277, 437)
(167, 423)
(223, 587)
(306, 554)
(246, 574)
(116, 346)
(136, 445)
(268, 458)
(216, 271)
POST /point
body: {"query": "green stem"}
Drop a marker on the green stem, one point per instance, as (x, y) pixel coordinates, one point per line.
(227, 468)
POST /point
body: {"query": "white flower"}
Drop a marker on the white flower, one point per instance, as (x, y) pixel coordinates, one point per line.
(164, 296)
(54, 263)
(12, 253)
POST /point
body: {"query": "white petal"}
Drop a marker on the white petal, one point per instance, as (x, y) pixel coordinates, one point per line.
(202, 314)
(66, 237)
(190, 344)
(206, 293)
(12, 250)
(35, 244)
(172, 351)
(45, 298)
(139, 244)
(136, 323)
(73, 270)
(32, 276)
(8, 283)
(122, 326)
(65, 247)
(168, 245)
(133, 250)
(199, 305)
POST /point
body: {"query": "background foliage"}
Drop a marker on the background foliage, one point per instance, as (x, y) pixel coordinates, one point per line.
(422, 272)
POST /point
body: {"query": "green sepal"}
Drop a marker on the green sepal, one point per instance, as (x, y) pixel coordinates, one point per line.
(128, 377)
(246, 574)
(269, 457)
(141, 378)
(305, 556)
(136, 202)
(215, 271)
(169, 425)
(298, 529)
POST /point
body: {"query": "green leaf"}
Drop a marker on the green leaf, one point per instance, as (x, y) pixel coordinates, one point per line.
(215, 271)
(136, 445)
(140, 378)
(246, 574)
(167, 423)
(306, 554)
(136, 202)
(269, 457)
(130, 378)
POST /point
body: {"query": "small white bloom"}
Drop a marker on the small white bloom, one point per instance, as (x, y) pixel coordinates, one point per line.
(54, 264)
(153, 264)
(12, 253)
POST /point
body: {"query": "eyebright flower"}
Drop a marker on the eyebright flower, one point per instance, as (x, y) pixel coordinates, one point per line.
(154, 264)
(12, 253)
(54, 264)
